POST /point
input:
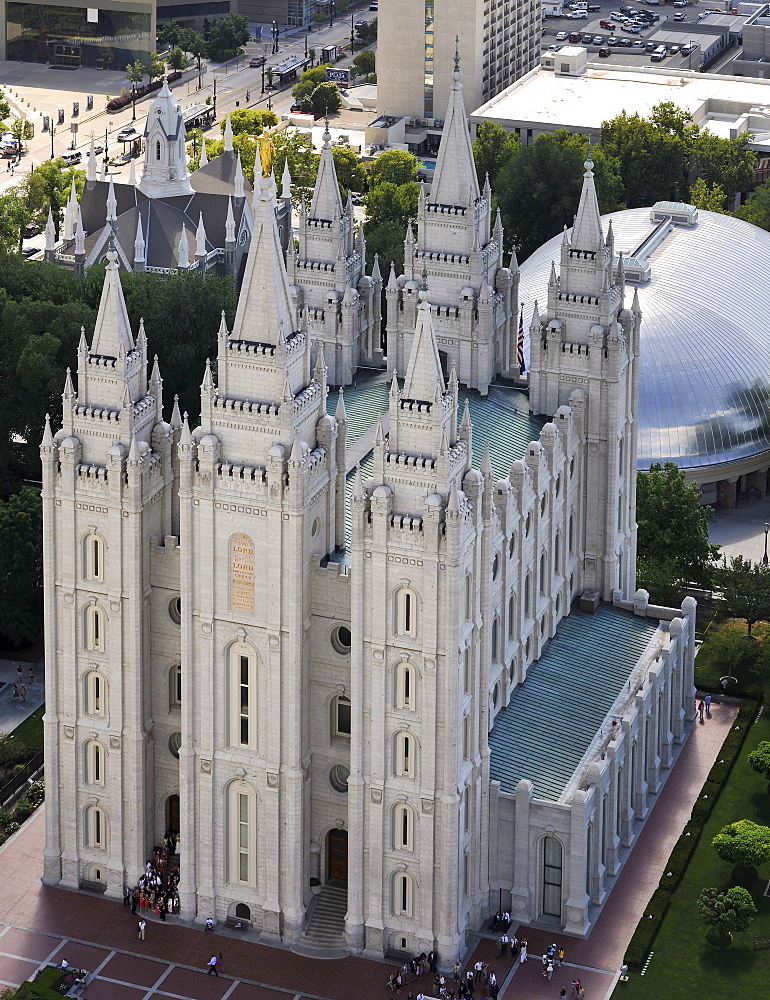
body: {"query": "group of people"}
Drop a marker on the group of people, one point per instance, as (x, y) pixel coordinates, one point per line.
(461, 987)
(704, 705)
(550, 958)
(156, 889)
(19, 687)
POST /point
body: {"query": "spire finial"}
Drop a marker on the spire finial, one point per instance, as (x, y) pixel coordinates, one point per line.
(589, 163)
(457, 54)
(424, 286)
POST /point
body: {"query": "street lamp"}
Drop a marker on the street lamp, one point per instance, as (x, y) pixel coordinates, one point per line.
(331, 13)
(764, 557)
(214, 105)
(53, 129)
(351, 34)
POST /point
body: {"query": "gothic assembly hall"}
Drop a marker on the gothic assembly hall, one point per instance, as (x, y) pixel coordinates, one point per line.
(364, 629)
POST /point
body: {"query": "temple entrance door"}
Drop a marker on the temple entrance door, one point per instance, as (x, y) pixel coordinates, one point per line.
(337, 855)
(172, 814)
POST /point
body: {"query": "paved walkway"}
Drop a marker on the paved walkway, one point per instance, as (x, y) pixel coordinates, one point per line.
(741, 532)
(39, 924)
(16, 710)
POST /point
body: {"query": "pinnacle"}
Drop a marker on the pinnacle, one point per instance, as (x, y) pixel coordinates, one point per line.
(455, 181)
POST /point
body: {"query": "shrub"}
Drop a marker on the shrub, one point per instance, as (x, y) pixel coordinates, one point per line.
(725, 913)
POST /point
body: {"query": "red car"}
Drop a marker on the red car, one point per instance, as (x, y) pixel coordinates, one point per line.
(607, 25)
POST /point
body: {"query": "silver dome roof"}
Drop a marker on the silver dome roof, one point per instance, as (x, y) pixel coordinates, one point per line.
(704, 373)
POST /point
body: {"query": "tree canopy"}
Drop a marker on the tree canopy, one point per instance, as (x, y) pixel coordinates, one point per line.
(226, 35)
(759, 759)
(325, 99)
(21, 559)
(252, 121)
(672, 530)
(394, 166)
(726, 912)
(743, 843)
(745, 590)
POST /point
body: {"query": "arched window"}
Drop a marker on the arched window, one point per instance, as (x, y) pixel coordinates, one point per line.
(543, 504)
(512, 545)
(511, 616)
(93, 557)
(557, 553)
(96, 827)
(543, 573)
(94, 763)
(571, 538)
(405, 747)
(242, 833)
(405, 686)
(467, 669)
(403, 827)
(620, 455)
(243, 695)
(94, 628)
(496, 638)
(175, 686)
(466, 737)
(552, 877)
(157, 149)
(528, 594)
(468, 597)
(406, 612)
(96, 701)
(403, 894)
(466, 808)
(341, 716)
(528, 524)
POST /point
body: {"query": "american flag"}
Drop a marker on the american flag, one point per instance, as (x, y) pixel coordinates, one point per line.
(520, 344)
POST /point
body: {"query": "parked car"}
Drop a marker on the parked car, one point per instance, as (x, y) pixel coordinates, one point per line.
(72, 158)
(127, 134)
(594, 8)
(680, 3)
(607, 25)
(624, 43)
(30, 230)
(296, 108)
(257, 61)
(690, 47)
(650, 46)
(613, 41)
(679, 16)
(617, 14)
(638, 44)
(674, 49)
(604, 52)
(554, 48)
(597, 40)
(562, 36)
(574, 36)
(586, 39)
(632, 29)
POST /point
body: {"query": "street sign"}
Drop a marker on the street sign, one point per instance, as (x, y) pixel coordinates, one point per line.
(339, 76)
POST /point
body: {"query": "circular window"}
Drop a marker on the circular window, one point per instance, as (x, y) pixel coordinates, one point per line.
(315, 527)
(341, 639)
(528, 525)
(338, 778)
(495, 566)
(174, 743)
(512, 546)
(175, 609)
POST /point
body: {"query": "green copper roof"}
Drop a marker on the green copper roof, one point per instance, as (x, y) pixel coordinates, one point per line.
(553, 717)
(503, 419)
(365, 400)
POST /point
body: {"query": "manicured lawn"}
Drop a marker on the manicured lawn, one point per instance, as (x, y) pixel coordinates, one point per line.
(30, 732)
(684, 965)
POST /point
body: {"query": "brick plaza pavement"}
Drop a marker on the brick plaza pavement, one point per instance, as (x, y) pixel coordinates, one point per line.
(39, 924)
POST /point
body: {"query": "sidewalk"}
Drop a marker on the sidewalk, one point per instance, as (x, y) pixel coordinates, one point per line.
(741, 532)
(14, 710)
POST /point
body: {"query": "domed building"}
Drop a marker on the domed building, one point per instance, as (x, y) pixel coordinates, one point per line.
(704, 370)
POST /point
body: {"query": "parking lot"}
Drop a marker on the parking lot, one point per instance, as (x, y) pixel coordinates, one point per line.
(621, 46)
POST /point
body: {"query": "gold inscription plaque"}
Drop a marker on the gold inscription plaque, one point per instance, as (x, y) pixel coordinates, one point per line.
(242, 573)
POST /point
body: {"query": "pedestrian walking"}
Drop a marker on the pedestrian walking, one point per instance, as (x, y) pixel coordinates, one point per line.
(544, 960)
(701, 708)
(503, 945)
(208, 926)
(563, 994)
(19, 672)
(549, 971)
(574, 988)
(15, 694)
(142, 928)
(523, 952)
(126, 896)
(707, 700)
(560, 953)
(479, 967)
(212, 963)
(456, 972)
(23, 692)
(31, 676)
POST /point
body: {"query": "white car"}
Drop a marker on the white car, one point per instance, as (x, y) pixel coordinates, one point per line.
(617, 15)
(562, 36)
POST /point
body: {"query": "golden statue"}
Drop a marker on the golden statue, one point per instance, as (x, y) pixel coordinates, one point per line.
(266, 154)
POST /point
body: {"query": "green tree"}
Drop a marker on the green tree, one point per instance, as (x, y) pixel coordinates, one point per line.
(493, 147)
(725, 913)
(673, 525)
(759, 759)
(757, 208)
(171, 33)
(136, 72)
(22, 129)
(21, 558)
(350, 170)
(732, 649)
(298, 150)
(48, 186)
(308, 82)
(177, 60)
(745, 845)
(226, 36)
(195, 44)
(709, 198)
(745, 590)
(156, 66)
(250, 120)
(394, 166)
(312, 54)
(389, 207)
(364, 62)
(727, 163)
(652, 154)
(14, 216)
(325, 99)
(538, 187)
(368, 32)
(5, 107)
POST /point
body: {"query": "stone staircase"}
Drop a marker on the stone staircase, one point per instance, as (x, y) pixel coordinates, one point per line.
(324, 935)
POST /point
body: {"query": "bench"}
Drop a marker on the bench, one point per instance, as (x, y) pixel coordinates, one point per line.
(238, 924)
(762, 942)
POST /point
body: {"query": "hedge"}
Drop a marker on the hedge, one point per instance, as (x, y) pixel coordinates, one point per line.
(44, 987)
(649, 925)
(123, 100)
(11, 819)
